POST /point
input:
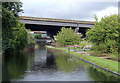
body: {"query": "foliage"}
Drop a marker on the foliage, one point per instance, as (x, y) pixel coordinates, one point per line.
(31, 39)
(14, 34)
(67, 36)
(37, 36)
(15, 7)
(20, 37)
(105, 34)
(83, 42)
(10, 11)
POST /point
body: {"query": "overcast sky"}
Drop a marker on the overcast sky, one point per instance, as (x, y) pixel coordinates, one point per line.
(68, 9)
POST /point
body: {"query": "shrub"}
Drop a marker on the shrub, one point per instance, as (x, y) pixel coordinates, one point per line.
(31, 39)
(37, 36)
(20, 37)
(105, 34)
(83, 42)
(67, 36)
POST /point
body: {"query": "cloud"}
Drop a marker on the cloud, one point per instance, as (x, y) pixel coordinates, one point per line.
(106, 12)
(64, 9)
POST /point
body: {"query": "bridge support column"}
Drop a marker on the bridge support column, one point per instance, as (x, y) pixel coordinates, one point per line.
(77, 29)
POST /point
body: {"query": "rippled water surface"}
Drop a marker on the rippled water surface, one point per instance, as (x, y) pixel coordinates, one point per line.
(50, 65)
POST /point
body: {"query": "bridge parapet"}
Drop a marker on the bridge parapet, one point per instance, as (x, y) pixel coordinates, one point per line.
(56, 22)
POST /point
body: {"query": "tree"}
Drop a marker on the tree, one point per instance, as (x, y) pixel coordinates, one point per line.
(10, 11)
(67, 36)
(20, 37)
(14, 34)
(105, 34)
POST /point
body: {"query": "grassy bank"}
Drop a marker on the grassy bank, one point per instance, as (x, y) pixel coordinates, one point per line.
(109, 64)
(94, 52)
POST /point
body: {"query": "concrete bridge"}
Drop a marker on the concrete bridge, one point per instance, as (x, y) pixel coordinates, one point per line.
(52, 26)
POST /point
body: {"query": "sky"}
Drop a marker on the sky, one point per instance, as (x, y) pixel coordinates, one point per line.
(68, 9)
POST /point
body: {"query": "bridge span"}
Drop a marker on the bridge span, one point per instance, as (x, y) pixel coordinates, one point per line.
(52, 26)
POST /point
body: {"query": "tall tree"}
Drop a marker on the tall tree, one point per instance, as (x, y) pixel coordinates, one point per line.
(10, 17)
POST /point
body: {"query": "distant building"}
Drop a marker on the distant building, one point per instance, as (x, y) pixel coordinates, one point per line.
(42, 33)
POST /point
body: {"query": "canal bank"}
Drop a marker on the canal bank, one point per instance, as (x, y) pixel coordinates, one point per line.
(107, 65)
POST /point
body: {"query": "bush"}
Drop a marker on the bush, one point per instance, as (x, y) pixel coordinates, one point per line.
(37, 36)
(20, 37)
(83, 42)
(31, 39)
(67, 36)
(105, 34)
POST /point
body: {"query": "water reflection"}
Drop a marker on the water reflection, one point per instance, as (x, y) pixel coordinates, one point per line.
(50, 65)
(50, 59)
(15, 65)
(101, 75)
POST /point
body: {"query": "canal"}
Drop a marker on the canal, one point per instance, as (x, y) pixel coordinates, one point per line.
(50, 65)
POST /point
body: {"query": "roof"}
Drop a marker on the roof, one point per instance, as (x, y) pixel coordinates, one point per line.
(56, 20)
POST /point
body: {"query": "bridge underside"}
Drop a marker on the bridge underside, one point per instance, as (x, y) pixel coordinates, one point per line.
(52, 30)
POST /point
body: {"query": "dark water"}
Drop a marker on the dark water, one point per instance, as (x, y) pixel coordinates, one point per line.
(50, 65)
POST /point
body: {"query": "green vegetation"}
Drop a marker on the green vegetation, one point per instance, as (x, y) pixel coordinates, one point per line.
(14, 34)
(67, 36)
(109, 64)
(9, 20)
(31, 39)
(83, 42)
(105, 34)
(37, 36)
(19, 40)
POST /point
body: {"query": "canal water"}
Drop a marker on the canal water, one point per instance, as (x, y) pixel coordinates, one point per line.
(50, 65)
